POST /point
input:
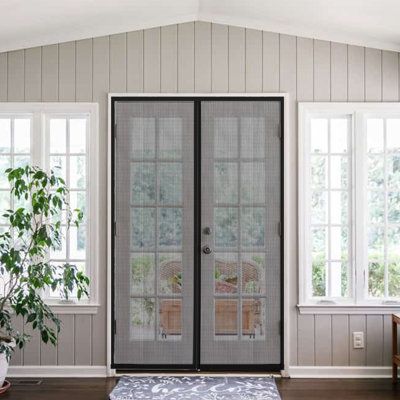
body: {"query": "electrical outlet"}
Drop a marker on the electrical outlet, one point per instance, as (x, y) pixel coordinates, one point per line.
(358, 340)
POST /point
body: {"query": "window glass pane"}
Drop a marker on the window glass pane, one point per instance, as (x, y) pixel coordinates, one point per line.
(77, 242)
(339, 243)
(393, 171)
(319, 206)
(4, 204)
(58, 135)
(393, 241)
(226, 138)
(5, 135)
(170, 130)
(143, 273)
(253, 227)
(60, 252)
(319, 172)
(5, 162)
(376, 238)
(319, 135)
(22, 135)
(253, 182)
(143, 228)
(376, 207)
(319, 240)
(226, 226)
(58, 166)
(252, 137)
(375, 135)
(376, 171)
(253, 319)
(143, 134)
(21, 161)
(394, 207)
(226, 273)
(393, 134)
(394, 276)
(170, 183)
(143, 181)
(170, 320)
(143, 313)
(226, 319)
(253, 273)
(339, 207)
(335, 278)
(339, 172)
(376, 277)
(339, 135)
(225, 183)
(318, 278)
(78, 172)
(170, 279)
(78, 201)
(170, 227)
(77, 135)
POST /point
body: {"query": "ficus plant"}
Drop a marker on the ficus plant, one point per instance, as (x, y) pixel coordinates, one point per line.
(40, 208)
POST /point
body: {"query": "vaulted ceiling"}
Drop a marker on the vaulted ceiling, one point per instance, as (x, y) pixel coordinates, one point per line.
(29, 23)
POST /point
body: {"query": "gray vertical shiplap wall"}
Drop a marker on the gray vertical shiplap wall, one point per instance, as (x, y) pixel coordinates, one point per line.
(205, 57)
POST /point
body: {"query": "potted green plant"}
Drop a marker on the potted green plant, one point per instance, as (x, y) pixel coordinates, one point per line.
(40, 208)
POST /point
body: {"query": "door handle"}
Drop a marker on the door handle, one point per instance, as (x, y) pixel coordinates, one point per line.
(207, 249)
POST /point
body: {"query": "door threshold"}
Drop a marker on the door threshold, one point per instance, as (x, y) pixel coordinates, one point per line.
(119, 373)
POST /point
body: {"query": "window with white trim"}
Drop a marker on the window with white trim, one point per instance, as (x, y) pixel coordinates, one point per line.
(64, 136)
(349, 204)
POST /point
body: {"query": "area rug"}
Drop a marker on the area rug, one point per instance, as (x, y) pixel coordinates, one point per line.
(195, 388)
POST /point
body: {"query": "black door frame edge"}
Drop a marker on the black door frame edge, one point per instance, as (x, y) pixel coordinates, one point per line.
(196, 365)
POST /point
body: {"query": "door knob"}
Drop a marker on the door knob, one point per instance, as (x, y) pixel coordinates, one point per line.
(206, 249)
(207, 230)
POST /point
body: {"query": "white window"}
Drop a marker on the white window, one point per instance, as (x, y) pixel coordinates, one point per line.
(63, 135)
(349, 204)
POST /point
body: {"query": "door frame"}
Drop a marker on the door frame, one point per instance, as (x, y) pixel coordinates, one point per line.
(287, 240)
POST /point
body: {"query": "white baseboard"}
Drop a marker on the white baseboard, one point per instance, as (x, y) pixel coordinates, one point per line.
(57, 371)
(339, 372)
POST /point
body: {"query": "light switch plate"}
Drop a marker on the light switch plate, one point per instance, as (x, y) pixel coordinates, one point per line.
(358, 340)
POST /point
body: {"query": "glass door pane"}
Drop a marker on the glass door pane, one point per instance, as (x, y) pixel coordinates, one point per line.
(241, 213)
(153, 246)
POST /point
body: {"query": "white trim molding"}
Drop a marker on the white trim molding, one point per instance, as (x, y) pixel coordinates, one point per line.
(348, 310)
(289, 222)
(57, 371)
(340, 372)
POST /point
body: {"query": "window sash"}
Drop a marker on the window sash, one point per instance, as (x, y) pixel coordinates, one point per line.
(359, 113)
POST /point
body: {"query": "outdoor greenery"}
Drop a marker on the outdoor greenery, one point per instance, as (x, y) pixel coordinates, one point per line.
(34, 229)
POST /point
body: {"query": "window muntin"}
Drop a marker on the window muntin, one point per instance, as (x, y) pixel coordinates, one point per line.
(373, 186)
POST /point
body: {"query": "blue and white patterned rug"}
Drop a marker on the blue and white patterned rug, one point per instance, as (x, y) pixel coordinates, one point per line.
(195, 388)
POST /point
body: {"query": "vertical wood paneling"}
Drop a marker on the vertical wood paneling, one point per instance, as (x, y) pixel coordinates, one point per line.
(387, 340)
(390, 76)
(84, 72)
(135, 61)
(219, 67)
(186, 57)
(305, 342)
(32, 348)
(270, 62)
(340, 340)
(323, 340)
(338, 72)
(169, 56)
(287, 83)
(357, 324)
(373, 75)
(151, 54)
(355, 73)
(202, 57)
(17, 357)
(48, 352)
(118, 63)
(33, 74)
(322, 70)
(305, 69)
(3, 76)
(254, 59)
(374, 342)
(83, 332)
(66, 70)
(16, 75)
(50, 73)
(101, 59)
(237, 59)
(66, 348)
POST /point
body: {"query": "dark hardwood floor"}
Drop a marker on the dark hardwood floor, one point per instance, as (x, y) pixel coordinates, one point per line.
(310, 389)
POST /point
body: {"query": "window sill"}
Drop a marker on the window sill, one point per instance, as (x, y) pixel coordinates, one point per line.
(348, 308)
(59, 307)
